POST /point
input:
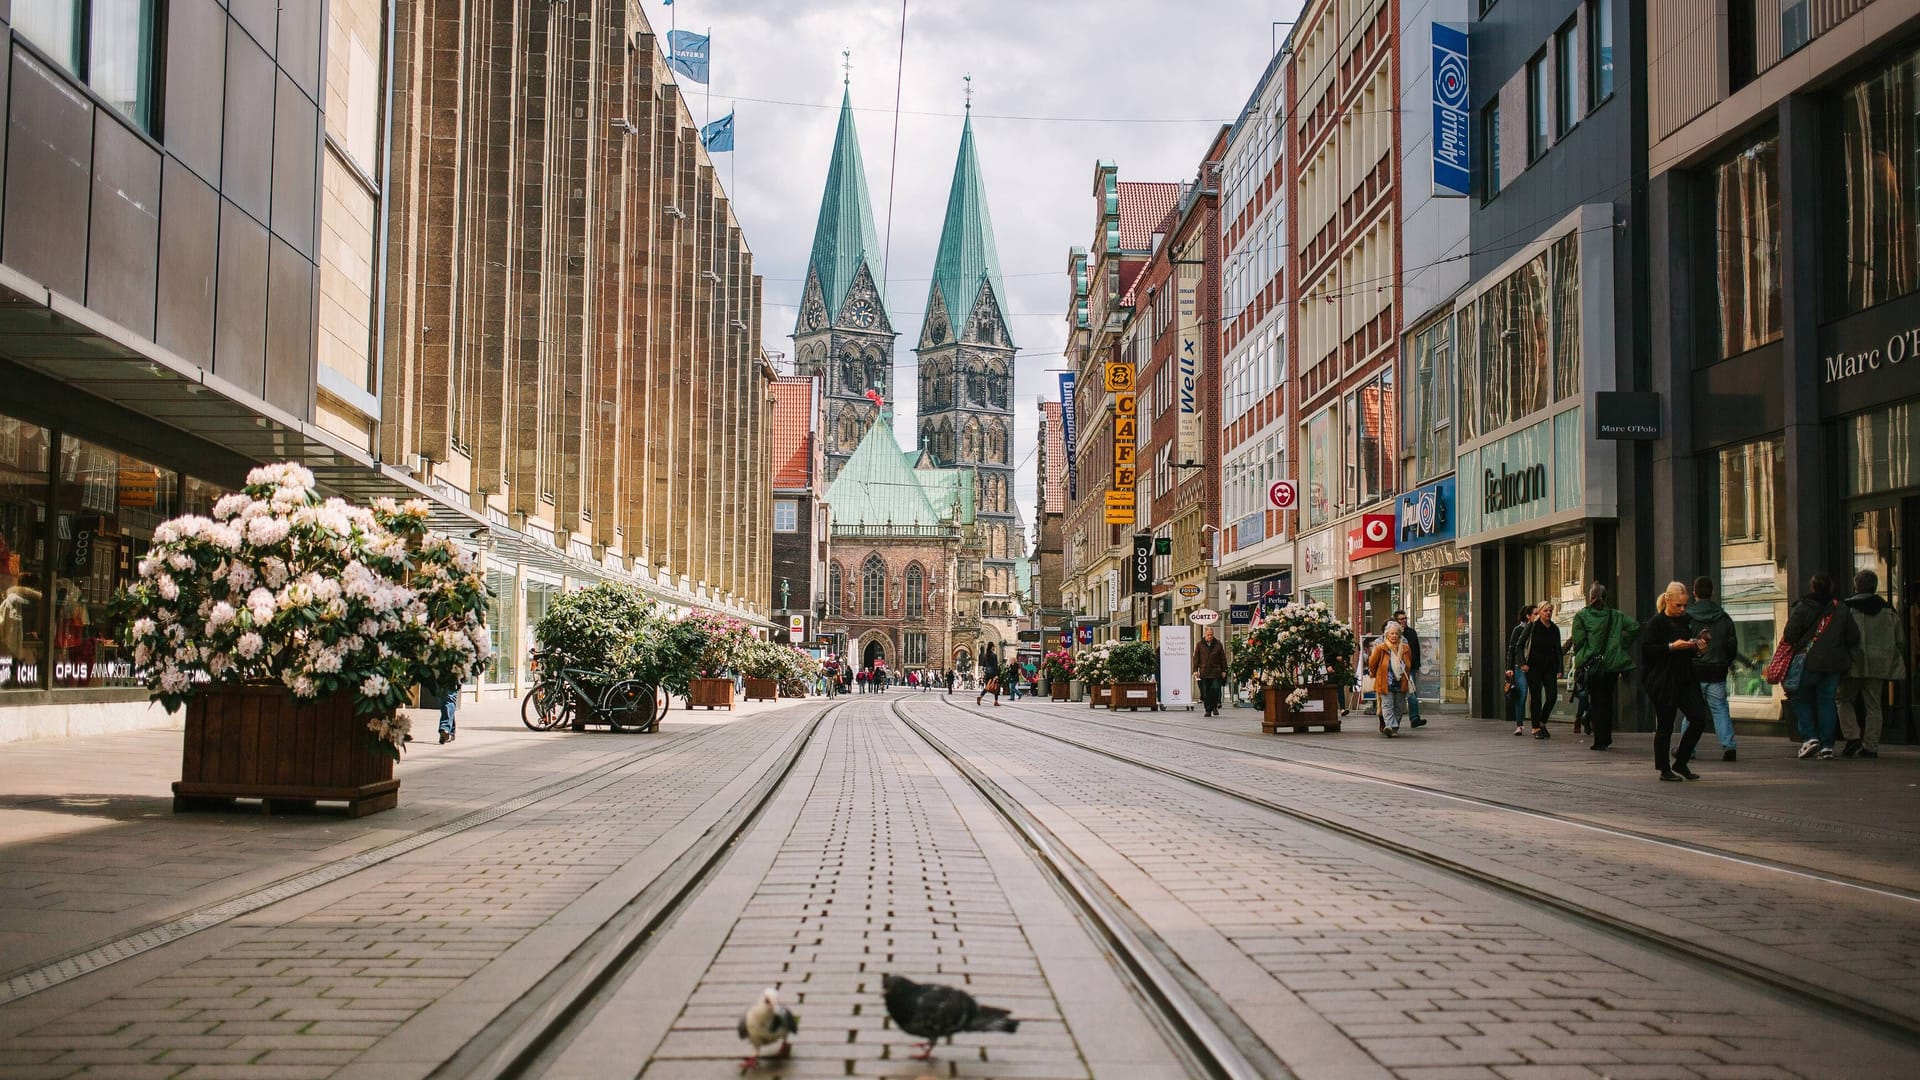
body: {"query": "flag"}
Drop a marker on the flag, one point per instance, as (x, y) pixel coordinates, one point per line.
(874, 396)
(717, 137)
(687, 54)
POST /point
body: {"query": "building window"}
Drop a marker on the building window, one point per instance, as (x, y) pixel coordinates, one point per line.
(1490, 142)
(1539, 106)
(1878, 146)
(873, 588)
(1319, 471)
(834, 584)
(1566, 80)
(1429, 416)
(786, 516)
(1564, 272)
(916, 592)
(913, 648)
(1518, 343)
(108, 44)
(1746, 227)
(1370, 442)
(1750, 555)
(1795, 28)
(1599, 52)
(26, 454)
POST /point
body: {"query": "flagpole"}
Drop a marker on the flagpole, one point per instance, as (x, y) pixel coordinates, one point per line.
(709, 83)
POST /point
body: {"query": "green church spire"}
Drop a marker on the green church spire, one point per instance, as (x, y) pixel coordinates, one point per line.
(966, 256)
(844, 238)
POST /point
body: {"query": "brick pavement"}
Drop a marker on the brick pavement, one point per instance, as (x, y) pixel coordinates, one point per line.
(1423, 972)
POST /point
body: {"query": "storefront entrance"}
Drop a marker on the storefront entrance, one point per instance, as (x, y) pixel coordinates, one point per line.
(1439, 607)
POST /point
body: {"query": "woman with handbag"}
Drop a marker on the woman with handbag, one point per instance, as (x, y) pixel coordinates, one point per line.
(1601, 633)
(1817, 648)
(1391, 665)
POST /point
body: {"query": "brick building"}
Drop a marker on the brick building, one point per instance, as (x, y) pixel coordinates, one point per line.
(799, 511)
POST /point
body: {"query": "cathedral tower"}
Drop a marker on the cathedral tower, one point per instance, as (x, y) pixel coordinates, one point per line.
(966, 368)
(843, 333)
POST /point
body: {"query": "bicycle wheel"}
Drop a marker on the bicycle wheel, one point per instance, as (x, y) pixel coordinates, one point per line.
(627, 706)
(661, 703)
(542, 708)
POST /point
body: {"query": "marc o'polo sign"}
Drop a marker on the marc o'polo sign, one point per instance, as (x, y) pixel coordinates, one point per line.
(1852, 363)
(1620, 414)
(1872, 358)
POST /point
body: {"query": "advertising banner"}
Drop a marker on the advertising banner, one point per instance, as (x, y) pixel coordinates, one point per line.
(1142, 564)
(1188, 446)
(1452, 122)
(1176, 666)
(1067, 426)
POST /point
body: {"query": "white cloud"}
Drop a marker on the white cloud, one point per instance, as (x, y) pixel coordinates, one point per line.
(1190, 61)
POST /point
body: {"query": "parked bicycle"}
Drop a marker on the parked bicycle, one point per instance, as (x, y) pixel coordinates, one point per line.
(577, 697)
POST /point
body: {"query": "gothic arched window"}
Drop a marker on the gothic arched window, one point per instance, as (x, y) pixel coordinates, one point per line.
(916, 592)
(970, 440)
(873, 587)
(833, 589)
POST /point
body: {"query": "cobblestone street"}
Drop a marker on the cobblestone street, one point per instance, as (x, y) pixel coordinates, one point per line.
(1151, 895)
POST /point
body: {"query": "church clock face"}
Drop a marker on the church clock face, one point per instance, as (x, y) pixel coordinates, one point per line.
(862, 312)
(815, 317)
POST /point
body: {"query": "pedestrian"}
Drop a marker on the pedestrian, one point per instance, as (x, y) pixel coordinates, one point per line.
(1823, 635)
(1667, 653)
(1391, 666)
(1542, 665)
(1011, 680)
(1210, 667)
(866, 680)
(1516, 675)
(990, 672)
(1713, 625)
(1413, 684)
(1337, 657)
(1877, 662)
(1601, 643)
(449, 696)
(952, 673)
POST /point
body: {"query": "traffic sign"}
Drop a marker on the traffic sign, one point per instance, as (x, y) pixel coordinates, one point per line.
(1204, 617)
(1283, 494)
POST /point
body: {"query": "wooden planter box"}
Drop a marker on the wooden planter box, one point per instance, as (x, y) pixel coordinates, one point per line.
(1099, 694)
(763, 689)
(1133, 695)
(710, 694)
(1060, 691)
(1320, 710)
(260, 742)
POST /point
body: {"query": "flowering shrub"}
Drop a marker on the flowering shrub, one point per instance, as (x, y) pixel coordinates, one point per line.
(1298, 645)
(723, 644)
(1093, 664)
(1133, 662)
(1057, 666)
(793, 668)
(319, 595)
(610, 627)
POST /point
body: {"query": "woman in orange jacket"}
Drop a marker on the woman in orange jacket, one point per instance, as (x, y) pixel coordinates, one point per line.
(1391, 665)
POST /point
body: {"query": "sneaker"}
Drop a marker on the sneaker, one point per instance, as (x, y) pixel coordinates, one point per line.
(1520, 730)
(1419, 723)
(1852, 748)
(1389, 732)
(1543, 733)
(1383, 726)
(1874, 754)
(1826, 753)
(1729, 755)
(1807, 748)
(1673, 776)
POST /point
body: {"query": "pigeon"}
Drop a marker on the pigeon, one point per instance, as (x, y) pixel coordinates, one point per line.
(937, 1012)
(766, 1021)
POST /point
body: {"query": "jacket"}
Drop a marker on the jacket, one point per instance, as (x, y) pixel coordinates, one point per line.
(1832, 652)
(1210, 659)
(1666, 673)
(1379, 664)
(1708, 617)
(1517, 639)
(1883, 641)
(1543, 650)
(990, 664)
(1605, 633)
(1413, 644)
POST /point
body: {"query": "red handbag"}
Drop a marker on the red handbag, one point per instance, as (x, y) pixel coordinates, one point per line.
(1782, 661)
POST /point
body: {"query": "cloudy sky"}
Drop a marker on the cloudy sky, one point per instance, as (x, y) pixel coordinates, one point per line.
(1058, 85)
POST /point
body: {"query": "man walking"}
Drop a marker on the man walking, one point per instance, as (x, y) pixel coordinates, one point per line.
(1876, 662)
(1413, 686)
(1712, 625)
(1210, 667)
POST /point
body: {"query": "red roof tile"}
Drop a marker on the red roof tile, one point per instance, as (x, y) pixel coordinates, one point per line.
(1143, 206)
(793, 434)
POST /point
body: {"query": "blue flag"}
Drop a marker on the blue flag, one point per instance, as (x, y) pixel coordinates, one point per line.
(687, 54)
(717, 137)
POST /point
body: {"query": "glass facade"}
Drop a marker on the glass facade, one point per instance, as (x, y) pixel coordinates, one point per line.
(1878, 147)
(1319, 468)
(1746, 224)
(1750, 556)
(1429, 403)
(1439, 606)
(1519, 342)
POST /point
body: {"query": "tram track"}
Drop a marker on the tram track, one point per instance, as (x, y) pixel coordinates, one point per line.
(1823, 996)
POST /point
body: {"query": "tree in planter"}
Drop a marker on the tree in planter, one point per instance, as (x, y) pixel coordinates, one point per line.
(792, 668)
(1092, 664)
(319, 595)
(610, 627)
(723, 644)
(1133, 662)
(1297, 646)
(1057, 666)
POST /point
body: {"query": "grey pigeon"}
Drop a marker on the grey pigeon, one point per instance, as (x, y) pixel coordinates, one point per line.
(766, 1021)
(939, 1012)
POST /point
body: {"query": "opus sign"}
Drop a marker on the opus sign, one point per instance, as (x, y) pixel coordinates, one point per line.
(1426, 516)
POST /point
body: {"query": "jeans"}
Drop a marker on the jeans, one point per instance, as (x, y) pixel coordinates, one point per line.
(1544, 693)
(1716, 696)
(1210, 696)
(1696, 725)
(1874, 693)
(1413, 707)
(449, 704)
(1393, 705)
(1519, 698)
(1816, 707)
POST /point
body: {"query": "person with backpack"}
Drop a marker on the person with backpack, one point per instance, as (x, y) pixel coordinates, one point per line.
(1516, 673)
(1877, 662)
(1712, 624)
(1822, 635)
(1601, 644)
(1668, 649)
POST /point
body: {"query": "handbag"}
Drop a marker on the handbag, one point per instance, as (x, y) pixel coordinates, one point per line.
(1793, 665)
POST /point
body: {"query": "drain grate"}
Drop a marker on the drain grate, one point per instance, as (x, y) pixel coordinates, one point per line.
(153, 937)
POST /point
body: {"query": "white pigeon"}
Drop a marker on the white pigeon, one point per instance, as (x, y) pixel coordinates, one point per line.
(767, 1021)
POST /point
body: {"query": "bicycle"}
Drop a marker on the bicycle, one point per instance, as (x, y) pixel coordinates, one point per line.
(577, 697)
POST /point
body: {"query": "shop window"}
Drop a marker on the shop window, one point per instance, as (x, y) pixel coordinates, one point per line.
(503, 625)
(1882, 450)
(1878, 146)
(1319, 471)
(1429, 411)
(1747, 246)
(25, 625)
(786, 516)
(108, 44)
(1750, 556)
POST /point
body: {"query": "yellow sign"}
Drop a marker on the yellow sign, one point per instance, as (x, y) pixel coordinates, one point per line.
(1118, 499)
(1124, 477)
(1126, 405)
(1122, 453)
(1120, 517)
(1126, 429)
(1119, 378)
(138, 487)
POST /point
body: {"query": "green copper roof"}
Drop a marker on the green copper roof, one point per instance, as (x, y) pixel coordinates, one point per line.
(844, 236)
(879, 486)
(966, 239)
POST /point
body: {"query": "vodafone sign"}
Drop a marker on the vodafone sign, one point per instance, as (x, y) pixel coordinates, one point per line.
(1374, 536)
(1283, 494)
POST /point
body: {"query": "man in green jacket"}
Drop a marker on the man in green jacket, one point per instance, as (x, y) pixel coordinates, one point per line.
(1602, 636)
(1878, 660)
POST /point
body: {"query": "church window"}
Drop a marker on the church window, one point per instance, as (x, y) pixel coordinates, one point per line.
(877, 371)
(913, 648)
(916, 592)
(970, 441)
(833, 589)
(873, 587)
